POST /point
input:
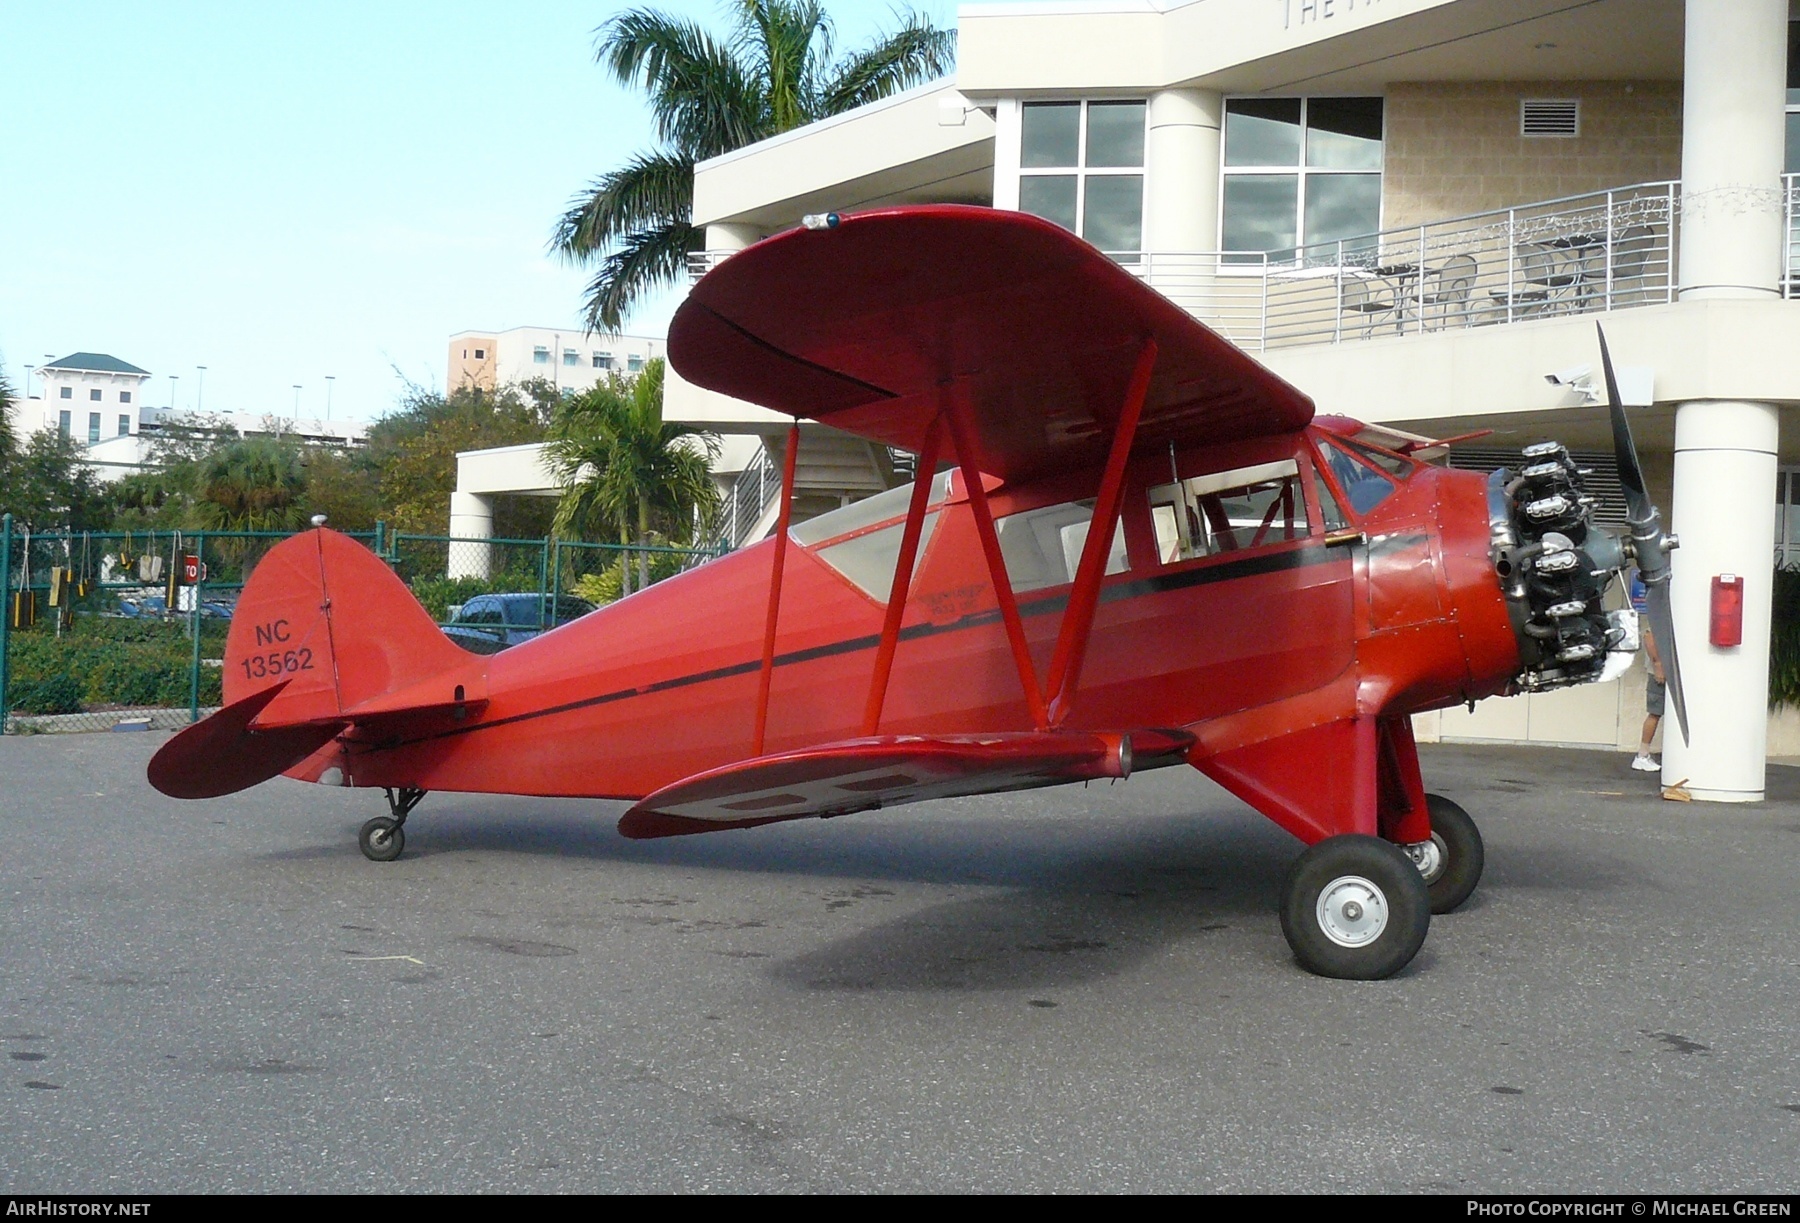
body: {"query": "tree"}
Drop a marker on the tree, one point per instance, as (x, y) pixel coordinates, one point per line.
(8, 443)
(625, 469)
(252, 484)
(46, 486)
(774, 72)
(415, 448)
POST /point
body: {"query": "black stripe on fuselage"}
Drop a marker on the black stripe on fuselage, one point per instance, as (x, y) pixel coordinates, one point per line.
(1199, 575)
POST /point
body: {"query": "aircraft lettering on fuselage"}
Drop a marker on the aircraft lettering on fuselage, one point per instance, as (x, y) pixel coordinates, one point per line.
(269, 634)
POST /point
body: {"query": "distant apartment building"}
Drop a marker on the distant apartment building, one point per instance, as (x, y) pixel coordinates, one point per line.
(567, 358)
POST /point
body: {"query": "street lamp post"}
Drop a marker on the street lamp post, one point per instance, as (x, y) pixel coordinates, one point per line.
(329, 379)
(296, 401)
(200, 393)
(173, 379)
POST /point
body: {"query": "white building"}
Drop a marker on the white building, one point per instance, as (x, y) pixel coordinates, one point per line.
(98, 400)
(1415, 210)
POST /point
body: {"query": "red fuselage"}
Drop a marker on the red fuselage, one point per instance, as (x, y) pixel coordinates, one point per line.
(1295, 619)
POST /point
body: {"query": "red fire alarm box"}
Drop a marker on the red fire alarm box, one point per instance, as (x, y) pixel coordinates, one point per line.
(1727, 610)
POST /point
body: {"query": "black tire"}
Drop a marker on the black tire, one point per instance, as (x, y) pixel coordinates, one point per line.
(1356, 908)
(382, 839)
(1460, 855)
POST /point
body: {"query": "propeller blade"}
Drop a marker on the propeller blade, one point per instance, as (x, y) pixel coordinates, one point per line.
(1631, 474)
(1662, 625)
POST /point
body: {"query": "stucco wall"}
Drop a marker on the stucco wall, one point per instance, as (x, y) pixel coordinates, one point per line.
(1455, 148)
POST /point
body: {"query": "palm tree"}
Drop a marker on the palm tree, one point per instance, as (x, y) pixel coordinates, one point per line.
(252, 484)
(624, 469)
(775, 71)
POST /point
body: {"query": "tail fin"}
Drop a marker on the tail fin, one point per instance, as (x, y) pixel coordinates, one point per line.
(323, 630)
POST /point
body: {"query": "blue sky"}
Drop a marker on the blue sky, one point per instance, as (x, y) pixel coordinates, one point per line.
(285, 192)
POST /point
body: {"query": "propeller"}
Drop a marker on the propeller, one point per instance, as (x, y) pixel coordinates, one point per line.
(1650, 544)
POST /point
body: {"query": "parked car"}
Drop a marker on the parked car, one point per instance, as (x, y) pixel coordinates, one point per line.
(156, 607)
(488, 624)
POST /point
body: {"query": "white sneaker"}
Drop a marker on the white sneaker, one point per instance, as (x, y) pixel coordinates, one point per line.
(1645, 763)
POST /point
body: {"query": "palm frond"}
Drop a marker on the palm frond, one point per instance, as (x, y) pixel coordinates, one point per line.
(639, 264)
(650, 191)
(786, 40)
(698, 89)
(915, 53)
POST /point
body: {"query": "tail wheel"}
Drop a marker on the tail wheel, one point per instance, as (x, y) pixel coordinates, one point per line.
(1451, 862)
(1355, 907)
(382, 839)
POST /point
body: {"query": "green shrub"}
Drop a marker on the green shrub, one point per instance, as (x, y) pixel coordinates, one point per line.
(47, 694)
(1784, 639)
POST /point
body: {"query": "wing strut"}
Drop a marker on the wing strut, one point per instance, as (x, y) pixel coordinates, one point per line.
(955, 413)
(781, 542)
(923, 478)
(1078, 616)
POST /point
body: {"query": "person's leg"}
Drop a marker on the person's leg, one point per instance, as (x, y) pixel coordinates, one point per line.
(1653, 702)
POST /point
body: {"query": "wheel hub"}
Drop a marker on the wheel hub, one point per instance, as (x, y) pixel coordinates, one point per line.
(1429, 856)
(1352, 911)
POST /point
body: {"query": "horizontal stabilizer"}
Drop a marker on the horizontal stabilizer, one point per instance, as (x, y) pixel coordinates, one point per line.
(222, 755)
(862, 774)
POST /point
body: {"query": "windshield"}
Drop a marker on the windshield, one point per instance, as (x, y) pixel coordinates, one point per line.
(1364, 487)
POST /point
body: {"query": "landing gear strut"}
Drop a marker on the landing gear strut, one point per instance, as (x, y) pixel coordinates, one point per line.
(383, 837)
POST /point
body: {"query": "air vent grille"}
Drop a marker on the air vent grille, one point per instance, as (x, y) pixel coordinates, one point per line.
(1551, 117)
(1603, 482)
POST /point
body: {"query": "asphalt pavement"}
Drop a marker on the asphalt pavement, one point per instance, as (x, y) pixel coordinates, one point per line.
(1079, 989)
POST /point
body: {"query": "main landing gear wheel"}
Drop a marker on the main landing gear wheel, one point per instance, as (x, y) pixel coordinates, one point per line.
(382, 839)
(1451, 861)
(1355, 907)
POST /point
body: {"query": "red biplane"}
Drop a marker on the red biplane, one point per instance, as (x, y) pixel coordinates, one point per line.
(1128, 546)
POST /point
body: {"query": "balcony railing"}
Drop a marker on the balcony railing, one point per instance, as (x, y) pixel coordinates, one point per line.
(1605, 250)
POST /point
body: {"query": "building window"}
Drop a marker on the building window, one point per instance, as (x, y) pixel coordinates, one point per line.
(124, 396)
(65, 393)
(94, 394)
(634, 363)
(93, 427)
(1787, 516)
(1081, 164)
(481, 354)
(1301, 173)
(571, 357)
(124, 425)
(62, 420)
(540, 355)
(602, 360)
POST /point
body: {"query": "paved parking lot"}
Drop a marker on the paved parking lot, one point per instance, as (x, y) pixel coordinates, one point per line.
(1075, 989)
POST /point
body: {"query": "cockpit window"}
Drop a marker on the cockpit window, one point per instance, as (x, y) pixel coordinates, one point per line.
(1364, 487)
(1042, 547)
(1393, 464)
(865, 513)
(868, 560)
(1247, 507)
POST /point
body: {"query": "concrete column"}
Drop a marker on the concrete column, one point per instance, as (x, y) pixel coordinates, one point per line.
(1734, 89)
(1733, 95)
(1182, 166)
(471, 517)
(731, 237)
(1724, 485)
(1181, 206)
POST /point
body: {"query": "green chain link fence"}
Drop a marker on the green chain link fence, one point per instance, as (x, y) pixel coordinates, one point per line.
(120, 630)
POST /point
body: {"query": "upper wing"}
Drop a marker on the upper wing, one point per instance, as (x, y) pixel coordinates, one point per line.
(864, 325)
